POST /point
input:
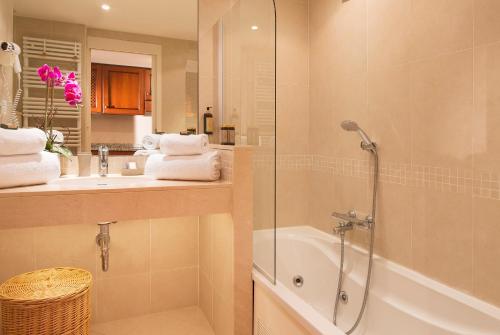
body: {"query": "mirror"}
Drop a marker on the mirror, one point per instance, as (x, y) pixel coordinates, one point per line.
(137, 63)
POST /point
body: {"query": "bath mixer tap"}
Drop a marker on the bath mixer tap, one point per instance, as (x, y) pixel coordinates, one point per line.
(103, 240)
(103, 160)
(350, 220)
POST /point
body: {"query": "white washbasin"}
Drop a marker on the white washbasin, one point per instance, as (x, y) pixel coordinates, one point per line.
(108, 181)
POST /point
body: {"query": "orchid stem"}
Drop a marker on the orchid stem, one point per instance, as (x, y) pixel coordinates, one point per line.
(46, 108)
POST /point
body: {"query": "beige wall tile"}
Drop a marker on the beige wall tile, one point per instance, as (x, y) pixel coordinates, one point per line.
(349, 102)
(291, 47)
(129, 249)
(440, 26)
(441, 110)
(122, 296)
(388, 28)
(486, 23)
(17, 252)
(393, 226)
(223, 316)
(206, 297)
(206, 247)
(223, 255)
(351, 193)
(292, 198)
(174, 243)
(293, 129)
(486, 250)
(487, 104)
(442, 240)
(72, 245)
(347, 37)
(174, 288)
(322, 203)
(388, 117)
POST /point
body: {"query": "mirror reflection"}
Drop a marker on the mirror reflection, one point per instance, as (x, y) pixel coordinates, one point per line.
(138, 68)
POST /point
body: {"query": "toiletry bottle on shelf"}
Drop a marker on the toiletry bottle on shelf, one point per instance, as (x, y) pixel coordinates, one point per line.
(208, 122)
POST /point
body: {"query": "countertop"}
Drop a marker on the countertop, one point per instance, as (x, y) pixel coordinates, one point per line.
(112, 182)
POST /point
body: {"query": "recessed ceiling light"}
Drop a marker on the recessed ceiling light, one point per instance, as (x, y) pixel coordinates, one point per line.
(254, 27)
(105, 7)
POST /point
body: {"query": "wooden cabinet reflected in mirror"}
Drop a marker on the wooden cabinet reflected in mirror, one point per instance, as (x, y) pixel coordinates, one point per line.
(121, 90)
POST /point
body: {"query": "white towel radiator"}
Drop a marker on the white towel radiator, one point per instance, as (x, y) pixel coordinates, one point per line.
(66, 55)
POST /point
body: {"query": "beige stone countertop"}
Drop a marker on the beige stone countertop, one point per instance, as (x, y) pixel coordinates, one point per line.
(112, 182)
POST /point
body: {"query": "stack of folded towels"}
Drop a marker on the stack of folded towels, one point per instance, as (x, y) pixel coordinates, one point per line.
(151, 145)
(183, 157)
(23, 160)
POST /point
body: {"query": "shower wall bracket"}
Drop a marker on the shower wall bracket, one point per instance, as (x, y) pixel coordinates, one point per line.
(103, 240)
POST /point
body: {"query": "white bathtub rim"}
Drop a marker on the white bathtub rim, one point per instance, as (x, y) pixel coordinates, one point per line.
(302, 312)
(411, 275)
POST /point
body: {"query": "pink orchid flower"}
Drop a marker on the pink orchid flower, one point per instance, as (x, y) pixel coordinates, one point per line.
(54, 77)
(72, 91)
(44, 72)
(57, 76)
(51, 75)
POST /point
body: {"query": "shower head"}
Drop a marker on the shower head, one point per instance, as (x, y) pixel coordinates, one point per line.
(366, 143)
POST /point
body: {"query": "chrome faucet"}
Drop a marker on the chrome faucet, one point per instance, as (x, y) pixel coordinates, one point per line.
(103, 160)
(103, 240)
(350, 220)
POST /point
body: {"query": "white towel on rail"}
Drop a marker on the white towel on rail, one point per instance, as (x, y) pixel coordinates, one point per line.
(183, 145)
(151, 142)
(21, 141)
(23, 170)
(204, 167)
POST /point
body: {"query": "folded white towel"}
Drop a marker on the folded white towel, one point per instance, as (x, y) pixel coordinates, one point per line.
(146, 152)
(183, 145)
(21, 141)
(151, 142)
(23, 170)
(204, 167)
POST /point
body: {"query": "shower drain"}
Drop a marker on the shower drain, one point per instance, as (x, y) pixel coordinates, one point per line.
(298, 281)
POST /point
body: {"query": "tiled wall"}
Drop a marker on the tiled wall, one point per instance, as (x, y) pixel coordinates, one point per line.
(153, 264)
(216, 271)
(423, 78)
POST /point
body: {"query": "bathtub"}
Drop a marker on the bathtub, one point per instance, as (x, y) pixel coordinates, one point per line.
(401, 301)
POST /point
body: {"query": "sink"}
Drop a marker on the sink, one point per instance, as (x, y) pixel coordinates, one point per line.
(108, 181)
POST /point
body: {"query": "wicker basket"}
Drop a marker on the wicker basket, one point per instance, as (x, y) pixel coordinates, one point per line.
(52, 301)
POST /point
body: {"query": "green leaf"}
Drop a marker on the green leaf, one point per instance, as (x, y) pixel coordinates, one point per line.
(62, 151)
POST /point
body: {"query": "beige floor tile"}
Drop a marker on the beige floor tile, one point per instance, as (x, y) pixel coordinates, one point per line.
(185, 321)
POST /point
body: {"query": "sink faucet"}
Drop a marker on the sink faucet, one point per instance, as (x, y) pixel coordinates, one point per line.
(103, 160)
(350, 221)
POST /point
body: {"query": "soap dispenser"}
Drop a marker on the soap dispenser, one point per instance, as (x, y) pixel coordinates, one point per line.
(208, 122)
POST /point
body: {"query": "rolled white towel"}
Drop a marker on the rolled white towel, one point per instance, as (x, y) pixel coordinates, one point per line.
(146, 152)
(183, 145)
(151, 142)
(204, 167)
(22, 141)
(33, 169)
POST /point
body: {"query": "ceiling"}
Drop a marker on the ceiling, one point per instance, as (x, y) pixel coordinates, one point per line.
(167, 18)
